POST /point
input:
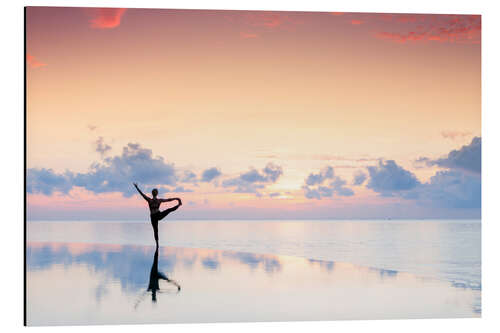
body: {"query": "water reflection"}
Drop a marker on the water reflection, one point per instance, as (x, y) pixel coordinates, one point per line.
(155, 276)
(210, 262)
(111, 283)
(385, 273)
(327, 265)
(448, 250)
(270, 264)
(127, 262)
(154, 282)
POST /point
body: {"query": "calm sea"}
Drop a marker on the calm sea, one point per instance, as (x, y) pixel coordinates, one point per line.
(442, 249)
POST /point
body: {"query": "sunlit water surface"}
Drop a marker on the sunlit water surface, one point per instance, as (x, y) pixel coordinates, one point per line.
(98, 272)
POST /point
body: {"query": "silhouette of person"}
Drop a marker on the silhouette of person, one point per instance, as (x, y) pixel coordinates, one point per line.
(154, 282)
(155, 276)
(154, 208)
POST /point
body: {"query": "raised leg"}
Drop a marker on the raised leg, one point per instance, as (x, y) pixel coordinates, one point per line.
(161, 215)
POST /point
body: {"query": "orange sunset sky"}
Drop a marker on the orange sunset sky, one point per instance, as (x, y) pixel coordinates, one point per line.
(248, 114)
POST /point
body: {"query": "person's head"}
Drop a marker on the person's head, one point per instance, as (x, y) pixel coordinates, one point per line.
(154, 192)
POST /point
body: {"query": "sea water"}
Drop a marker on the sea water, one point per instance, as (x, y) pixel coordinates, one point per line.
(102, 272)
(442, 249)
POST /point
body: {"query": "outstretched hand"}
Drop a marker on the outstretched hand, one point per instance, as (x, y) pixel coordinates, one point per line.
(179, 200)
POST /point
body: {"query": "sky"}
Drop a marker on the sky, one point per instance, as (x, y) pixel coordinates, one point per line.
(252, 114)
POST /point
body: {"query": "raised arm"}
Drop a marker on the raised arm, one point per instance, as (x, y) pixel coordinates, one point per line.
(140, 192)
(170, 199)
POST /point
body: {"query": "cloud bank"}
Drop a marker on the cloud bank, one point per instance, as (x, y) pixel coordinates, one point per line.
(325, 184)
(253, 180)
(137, 164)
(101, 147)
(210, 174)
(46, 181)
(388, 177)
(459, 187)
(112, 174)
(449, 189)
(359, 178)
(467, 158)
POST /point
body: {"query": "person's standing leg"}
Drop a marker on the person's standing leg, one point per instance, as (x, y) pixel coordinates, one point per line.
(159, 216)
(154, 223)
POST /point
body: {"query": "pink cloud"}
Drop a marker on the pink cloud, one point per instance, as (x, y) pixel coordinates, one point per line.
(407, 18)
(337, 13)
(247, 35)
(106, 18)
(401, 18)
(440, 28)
(256, 24)
(356, 22)
(270, 20)
(401, 38)
(33, 62)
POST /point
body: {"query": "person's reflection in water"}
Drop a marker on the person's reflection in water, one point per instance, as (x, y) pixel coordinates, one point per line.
(154, 278)
(154, 281)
